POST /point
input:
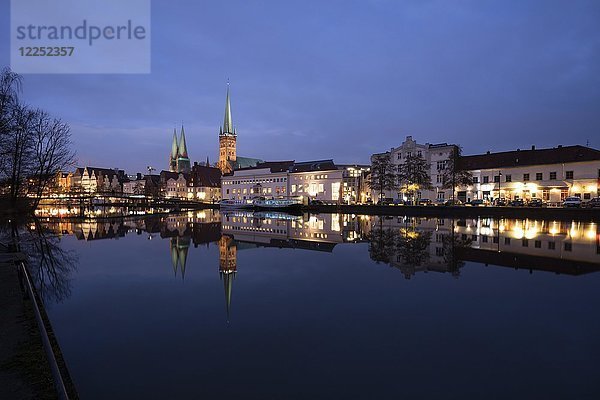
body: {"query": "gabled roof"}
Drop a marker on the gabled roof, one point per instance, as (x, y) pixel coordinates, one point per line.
(166, 175)
(556, 155)
(203, 176)
(104, 171)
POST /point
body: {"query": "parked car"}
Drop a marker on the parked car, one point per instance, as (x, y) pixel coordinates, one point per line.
(500, 202)
(454, 202)
(537, 202)
(517, 203)
(385, 201)
(477, 203)
(572, 202)
(399, 202)
(316, 202)
(425, 202)
(594, 203)
(439, 202)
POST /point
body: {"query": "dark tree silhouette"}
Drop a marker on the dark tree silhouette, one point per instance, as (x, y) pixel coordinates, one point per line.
(382, 243)
(454, 175)
(383, 174)
(34, 147)
(413, 174)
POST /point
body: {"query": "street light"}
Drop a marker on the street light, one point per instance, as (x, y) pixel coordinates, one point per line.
(499, 184)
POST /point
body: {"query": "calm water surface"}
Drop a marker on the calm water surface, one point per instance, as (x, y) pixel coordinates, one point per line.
(272, 306)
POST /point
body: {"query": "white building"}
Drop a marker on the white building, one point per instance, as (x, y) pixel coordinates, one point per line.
(436, 156)
(313, 180)
(135, 186)
(550, 174)
(97, 180)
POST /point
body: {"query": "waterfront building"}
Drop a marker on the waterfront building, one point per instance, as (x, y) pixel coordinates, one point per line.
(206, 183)
(134, 185)
(550, 174)
(311, 180)
(179, 160)
(94, 180)
(202, 183)
(355, 188)
(175, 185)
(316, 180)
(228, 158)
(435, 155)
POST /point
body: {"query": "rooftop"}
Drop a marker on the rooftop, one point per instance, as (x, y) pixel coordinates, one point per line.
(533, 156)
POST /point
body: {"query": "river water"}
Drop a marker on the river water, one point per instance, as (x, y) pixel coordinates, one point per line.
(330, 306)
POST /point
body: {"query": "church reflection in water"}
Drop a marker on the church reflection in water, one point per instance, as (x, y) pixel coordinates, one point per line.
(412, 245)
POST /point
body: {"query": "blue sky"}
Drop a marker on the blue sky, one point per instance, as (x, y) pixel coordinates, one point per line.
(339, 79)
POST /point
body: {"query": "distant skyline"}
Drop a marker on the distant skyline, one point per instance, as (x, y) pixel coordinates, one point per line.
(339, 79)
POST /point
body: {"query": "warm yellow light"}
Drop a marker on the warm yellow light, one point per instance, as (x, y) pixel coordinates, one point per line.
(590, 234)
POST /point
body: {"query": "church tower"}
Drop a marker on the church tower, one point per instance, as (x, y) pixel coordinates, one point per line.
(173, 154)
(227, 140)
(183, 161)
(227, 267)
(178, 158)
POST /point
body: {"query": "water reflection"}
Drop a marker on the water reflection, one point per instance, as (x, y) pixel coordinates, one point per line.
(310, 294)
(412, 245)
(49, 264)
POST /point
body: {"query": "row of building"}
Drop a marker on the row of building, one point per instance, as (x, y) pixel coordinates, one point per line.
(549, 174)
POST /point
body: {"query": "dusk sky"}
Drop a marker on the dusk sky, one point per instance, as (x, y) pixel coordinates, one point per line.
(339, 79)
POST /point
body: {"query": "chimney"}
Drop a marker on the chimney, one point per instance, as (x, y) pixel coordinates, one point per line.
(518, 149)
(533, 147)
(487, 152)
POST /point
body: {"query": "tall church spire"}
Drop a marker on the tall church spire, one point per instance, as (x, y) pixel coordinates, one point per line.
(174, 146)
(182, 145)
(227, 121)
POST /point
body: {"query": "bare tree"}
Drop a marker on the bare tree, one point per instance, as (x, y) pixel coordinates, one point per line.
(413, 174)
(51, 139)
(454, 175)
(383, 174)
(33, 146)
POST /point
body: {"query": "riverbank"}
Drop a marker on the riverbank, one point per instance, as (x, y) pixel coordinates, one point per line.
(583, 214)
(24, 369)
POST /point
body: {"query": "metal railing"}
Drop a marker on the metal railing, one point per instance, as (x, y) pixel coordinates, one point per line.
(56, 375)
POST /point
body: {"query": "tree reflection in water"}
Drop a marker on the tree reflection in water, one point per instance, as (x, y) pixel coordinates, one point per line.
(406, 243)
(49, 265)
(382, 243)
(452, 245)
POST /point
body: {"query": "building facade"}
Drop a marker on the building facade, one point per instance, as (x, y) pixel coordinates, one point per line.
(435, 155)
(549, 174)
(94, 180)
(202, 184)
(313, 180)
(355, 188)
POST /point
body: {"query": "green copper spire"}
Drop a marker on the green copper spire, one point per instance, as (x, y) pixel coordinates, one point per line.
(227, 122)
(182, 145)
(174, 146)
